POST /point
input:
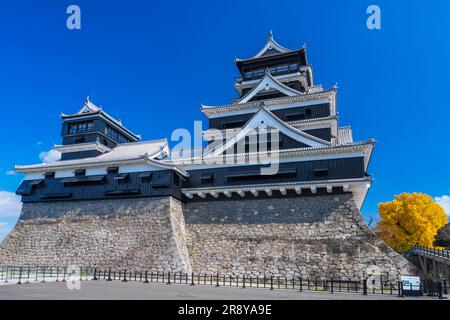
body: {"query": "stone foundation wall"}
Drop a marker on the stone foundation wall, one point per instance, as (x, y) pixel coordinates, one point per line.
(125, 233)
(304, 236)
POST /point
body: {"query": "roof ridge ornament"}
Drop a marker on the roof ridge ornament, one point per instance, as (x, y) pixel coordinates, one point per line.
(270, 44)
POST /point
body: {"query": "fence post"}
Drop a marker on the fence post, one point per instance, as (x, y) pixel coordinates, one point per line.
(217, 280)
(43, 275)
(301, 284)
(57, 274)
(365, 287)
(109, 275)
(168, 278)
(28, 276)
(440, 290)
(6, 276)
(125, 276)
(243, 281)
(64, 274)
(331, 285)
(400, 289)
(271, 282)
(20, 276)
(95, 274)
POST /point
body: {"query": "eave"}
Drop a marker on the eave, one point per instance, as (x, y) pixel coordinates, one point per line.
(82, 147)
(329, 94)
(241, 62)
(242, 158)
(358, 186)
(299, 124)
(250, 84)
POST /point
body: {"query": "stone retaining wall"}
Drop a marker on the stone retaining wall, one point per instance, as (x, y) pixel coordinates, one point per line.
(125, 233)
(304, 236)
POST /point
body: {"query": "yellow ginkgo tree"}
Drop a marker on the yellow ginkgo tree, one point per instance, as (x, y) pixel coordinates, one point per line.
(410, 219)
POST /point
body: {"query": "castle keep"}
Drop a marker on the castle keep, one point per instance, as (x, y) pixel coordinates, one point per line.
(114, 201)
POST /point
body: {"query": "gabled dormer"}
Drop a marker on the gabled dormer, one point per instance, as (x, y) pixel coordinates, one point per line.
(268, 88)
(287, 136)
(91, 132)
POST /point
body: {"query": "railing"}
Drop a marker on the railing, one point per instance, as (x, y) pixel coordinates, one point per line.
(430, 251)
(42, 274)
(25, 275)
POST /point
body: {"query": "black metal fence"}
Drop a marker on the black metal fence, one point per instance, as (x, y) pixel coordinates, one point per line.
(26, 275)
(371, 286)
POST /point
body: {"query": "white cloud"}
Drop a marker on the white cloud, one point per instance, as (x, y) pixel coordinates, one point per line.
(49, 156)
(444, 202)
(4, 230)
(10, 173)
(10, 205)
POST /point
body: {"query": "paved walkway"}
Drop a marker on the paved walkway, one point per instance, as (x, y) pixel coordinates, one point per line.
(158, 291)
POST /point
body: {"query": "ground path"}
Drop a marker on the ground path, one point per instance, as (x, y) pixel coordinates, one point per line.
(139, 290)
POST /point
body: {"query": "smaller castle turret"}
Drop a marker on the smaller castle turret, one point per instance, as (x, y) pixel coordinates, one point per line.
(91, 132)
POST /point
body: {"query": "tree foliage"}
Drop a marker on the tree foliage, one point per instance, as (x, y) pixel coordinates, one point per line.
(410, 219)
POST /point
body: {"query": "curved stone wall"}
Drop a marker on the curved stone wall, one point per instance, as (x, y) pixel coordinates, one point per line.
(126, 233)
(311, 236)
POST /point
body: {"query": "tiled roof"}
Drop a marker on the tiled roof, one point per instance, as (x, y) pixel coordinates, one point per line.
(123, 152)
(90, 108)
(270, 82)
(270, 44)
(269, 102)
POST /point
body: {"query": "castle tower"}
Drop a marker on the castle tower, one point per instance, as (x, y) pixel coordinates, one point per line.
(114, 202)
(91, 132)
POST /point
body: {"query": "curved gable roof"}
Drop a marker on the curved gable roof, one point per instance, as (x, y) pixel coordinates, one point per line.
(270, 48)
(270, 120)
(268, 82)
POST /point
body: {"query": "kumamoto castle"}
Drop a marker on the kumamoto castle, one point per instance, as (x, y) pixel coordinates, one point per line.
(113, 201)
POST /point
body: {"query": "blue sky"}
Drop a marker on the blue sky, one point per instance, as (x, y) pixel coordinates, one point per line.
(152, 63)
